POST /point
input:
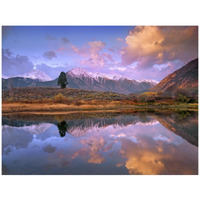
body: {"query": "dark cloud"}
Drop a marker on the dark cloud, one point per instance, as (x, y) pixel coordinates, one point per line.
(50, 37)
(13, 65)
(7, 52)
(49, 55)
(65, 40)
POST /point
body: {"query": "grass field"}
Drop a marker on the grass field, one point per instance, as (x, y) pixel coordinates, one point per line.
(73, 100)
(60, 108)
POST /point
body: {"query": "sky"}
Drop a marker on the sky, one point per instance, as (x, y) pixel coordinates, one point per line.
(136, 52)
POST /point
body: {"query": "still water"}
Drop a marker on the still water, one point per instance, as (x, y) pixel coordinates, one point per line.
(136, 143)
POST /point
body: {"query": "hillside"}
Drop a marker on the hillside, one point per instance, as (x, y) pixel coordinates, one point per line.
(18, 82)
(39, 93)
(185, 78)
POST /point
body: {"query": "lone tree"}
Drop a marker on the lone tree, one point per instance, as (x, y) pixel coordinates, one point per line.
(62, 80)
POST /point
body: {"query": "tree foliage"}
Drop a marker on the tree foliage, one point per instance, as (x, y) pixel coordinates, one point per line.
(182, 96)
(62, 80)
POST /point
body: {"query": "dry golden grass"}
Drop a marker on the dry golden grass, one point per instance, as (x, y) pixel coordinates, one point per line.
(9, 108)
(45, 107)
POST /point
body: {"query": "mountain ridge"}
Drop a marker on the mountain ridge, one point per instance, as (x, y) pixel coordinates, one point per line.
(35, 75)
(185, 78)
(82, 79)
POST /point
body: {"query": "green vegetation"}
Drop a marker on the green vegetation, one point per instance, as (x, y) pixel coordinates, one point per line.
(62, 80)
(79, 97)
(38, 99)
(183, 99)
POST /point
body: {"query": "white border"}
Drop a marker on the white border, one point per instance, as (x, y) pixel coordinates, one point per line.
(104, 12)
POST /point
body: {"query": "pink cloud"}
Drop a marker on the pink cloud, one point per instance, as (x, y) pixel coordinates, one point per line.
(83, 51)
(151, 45)
(93, 55)
(108, 57)
(75, 49)
(120, 39)
(96, 45)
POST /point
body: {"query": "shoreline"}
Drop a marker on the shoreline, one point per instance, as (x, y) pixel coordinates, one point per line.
(45, 108)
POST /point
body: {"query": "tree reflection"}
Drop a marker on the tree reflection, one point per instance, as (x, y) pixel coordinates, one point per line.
(62, 127)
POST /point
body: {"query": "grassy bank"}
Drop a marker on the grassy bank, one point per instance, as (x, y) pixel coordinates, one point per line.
(59, 108)
(40, 100)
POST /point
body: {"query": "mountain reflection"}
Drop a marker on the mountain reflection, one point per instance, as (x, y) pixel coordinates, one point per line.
(143, 143)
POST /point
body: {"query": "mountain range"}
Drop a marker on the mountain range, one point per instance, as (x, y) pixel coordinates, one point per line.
(81, 79)
(33, 74)
(185, 78)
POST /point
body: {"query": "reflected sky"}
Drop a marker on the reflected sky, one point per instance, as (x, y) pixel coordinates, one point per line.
(117, 145)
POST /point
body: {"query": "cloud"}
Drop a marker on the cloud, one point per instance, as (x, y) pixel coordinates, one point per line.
(155, 156)
(75, 49)
(49, 55)
(96, 45)
(93, 55)
(95, 60)
(60, 49)
(65, 40)
(108, 57)
(50, 37)
(120, 39)
(15, 64)
(151, 45)
(53, 72)
(20, 139)
(49, 148)
(118, 68)
(91, 150)
(7, 52)
(83, 51)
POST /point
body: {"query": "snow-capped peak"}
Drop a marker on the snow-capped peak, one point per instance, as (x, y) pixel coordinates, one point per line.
(109, 76)
(79, 72)
(148, 81)
(37, 75)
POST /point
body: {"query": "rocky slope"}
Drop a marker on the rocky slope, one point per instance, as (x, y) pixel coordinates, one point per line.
(185, 78)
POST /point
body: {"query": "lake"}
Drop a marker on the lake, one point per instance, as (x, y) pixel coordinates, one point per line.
(142, 143)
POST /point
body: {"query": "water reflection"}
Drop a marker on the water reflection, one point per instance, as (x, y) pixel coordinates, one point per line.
(140, 143)
(62, 127)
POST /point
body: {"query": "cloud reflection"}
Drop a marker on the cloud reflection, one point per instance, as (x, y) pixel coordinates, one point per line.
(119, 145)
